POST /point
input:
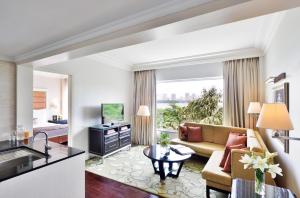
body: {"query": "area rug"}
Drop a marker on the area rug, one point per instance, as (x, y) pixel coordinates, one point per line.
(133, 168)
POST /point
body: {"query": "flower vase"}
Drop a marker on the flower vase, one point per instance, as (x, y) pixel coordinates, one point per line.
(259, 182)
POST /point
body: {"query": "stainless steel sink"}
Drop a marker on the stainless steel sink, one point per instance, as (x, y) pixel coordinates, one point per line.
(19, 157)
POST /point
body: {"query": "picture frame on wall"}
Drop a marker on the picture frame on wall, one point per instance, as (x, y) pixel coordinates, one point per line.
(281, 95)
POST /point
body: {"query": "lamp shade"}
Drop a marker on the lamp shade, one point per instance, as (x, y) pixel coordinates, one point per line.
(274, 116)
(254, 108)
(143, 111)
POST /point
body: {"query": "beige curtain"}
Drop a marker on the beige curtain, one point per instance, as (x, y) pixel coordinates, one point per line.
(144, 94)
(241, 86)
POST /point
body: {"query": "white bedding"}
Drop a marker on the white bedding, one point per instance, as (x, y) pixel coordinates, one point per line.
(48, 126)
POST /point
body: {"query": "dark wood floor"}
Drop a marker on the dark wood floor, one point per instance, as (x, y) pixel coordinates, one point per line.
(97, 186)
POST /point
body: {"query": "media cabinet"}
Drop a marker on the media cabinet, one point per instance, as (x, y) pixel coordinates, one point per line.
(105, 140)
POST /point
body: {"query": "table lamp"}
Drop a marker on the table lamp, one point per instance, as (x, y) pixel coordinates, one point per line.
(143, 111)
(275, 116)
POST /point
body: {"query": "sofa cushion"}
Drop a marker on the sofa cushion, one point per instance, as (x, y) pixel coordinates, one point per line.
(227, 165)
(216, 133)
(235, 139)
(194, 134)
(213, 172)
(206, 148)
(183, 132)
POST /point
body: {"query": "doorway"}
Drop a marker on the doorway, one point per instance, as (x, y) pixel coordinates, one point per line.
(51, 105)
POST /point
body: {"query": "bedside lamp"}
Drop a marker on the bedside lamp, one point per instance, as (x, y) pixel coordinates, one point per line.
(143, 111)
(254, 108)
(275, 116)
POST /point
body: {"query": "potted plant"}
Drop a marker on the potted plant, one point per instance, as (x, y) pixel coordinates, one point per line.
(164, 143)
(261, 165)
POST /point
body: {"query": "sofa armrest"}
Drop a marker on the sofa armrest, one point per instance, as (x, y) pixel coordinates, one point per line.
(237, 168)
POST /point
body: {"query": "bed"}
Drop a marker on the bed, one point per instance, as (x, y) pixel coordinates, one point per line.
(52, 129)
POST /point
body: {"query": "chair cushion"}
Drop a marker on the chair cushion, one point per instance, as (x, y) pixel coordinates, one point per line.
(206, 148)
(194, 134)
(213, 172)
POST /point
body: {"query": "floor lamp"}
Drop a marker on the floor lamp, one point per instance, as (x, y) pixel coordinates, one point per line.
(254, 109)
(143, 111)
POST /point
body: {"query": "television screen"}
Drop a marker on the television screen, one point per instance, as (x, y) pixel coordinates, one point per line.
(112, 112)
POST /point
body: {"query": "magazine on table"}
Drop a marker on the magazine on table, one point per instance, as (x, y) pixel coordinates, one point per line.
(182, 150)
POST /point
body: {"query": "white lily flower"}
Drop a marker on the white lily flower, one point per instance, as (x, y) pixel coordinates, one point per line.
(270, 155)
(247, 161)
(260, 163)
(275, 169)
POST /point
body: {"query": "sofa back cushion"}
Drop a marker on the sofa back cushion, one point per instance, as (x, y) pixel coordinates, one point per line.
(215, 133)
(236, 139)
(194, 134)
(227, 164)
(183, 132)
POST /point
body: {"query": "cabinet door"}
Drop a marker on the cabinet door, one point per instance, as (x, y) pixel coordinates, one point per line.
(125, 141)
(111, 146)
(96, 142)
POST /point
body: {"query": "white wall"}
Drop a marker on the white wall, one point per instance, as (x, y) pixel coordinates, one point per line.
(196, 71)
(24, 96)
(7, 99)
(93, 83)
(52, 86)
(284, 56)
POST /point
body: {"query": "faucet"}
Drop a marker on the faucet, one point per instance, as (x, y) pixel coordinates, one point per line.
(47, 147)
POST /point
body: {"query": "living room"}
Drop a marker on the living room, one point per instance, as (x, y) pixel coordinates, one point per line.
(223, 93)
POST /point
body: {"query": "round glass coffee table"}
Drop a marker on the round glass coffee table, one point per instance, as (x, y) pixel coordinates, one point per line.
(166, 165)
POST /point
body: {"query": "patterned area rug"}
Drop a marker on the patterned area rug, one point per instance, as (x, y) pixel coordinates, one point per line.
(133, 168)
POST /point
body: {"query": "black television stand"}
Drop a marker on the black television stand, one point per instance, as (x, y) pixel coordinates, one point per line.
(105, 140)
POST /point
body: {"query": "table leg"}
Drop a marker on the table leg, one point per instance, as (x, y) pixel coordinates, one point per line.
(170, 166)
(161, 170)
(153, 164)
(179, 169)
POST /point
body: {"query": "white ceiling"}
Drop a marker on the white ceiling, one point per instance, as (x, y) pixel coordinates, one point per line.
(29, 25)
(252, 33)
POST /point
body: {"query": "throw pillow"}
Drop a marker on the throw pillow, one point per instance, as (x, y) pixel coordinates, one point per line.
(194, 134)
(227, 166)
(183, 133)
(236, 138)
(233, 139)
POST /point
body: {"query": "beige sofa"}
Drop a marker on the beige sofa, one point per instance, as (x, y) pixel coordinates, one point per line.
(213, 146)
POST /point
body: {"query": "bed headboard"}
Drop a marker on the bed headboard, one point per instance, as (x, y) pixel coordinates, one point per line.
(39, 100)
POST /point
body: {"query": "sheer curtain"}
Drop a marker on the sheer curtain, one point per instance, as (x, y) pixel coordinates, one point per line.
(144, 94)
(241, 86)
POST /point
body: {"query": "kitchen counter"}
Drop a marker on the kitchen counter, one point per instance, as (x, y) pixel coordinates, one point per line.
(57, 153)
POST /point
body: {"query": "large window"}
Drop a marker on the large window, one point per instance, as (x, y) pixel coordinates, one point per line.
(197, 100)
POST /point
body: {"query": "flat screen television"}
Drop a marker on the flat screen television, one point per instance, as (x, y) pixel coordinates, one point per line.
(112, 112)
